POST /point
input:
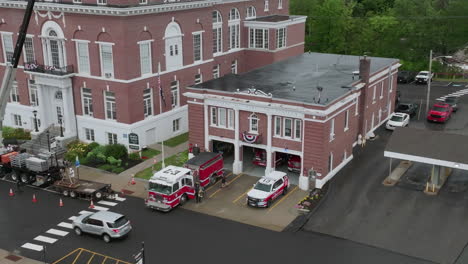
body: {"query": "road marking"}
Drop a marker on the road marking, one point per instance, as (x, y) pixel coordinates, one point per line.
(104, 260)
(449, 84)
(77, 256)
(72, 218)
(67, 255)
(237, 177)
(45, 239)
(242, 195)
(215, 184)
(85, 212)
(419, 109)
(33, 247)
(66, 225)
(57, 232)
(278, 202)
(120, 199)
(107, 203)
(90, 259)
(99, 208)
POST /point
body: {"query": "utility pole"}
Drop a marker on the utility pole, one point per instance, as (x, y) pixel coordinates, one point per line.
(429, 78)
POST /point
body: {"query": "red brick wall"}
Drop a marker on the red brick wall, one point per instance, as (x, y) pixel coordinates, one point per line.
(314, 146)
(196, 125)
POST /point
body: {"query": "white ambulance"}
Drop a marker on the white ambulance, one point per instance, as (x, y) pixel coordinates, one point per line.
(267, 189)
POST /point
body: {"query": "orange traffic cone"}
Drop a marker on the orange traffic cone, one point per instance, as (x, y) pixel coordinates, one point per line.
(133, 180)
(11, 192)
(91, 206)
(61, 203)
(34, 200)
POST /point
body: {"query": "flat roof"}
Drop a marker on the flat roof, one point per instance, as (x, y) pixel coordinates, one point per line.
(272, 18)
(297, 78)
(202, 158)
(426, 146)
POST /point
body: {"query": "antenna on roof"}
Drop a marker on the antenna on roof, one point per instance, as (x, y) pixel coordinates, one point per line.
(319, 89)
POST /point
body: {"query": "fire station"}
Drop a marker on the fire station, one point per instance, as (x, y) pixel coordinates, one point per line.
(302, 115)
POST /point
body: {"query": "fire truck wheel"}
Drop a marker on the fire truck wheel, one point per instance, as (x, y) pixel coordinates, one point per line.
(183, 199)
(14, 176)
(98, 195)
(24, 178)
(213, 179)
(65, 193)
(106, 238)
(73, 194)
(77, 231)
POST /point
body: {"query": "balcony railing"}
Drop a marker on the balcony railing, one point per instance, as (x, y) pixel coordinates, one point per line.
(60, 71)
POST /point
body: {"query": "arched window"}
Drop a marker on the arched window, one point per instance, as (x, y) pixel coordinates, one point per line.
(173, 39)
(53, 43)
(234, 29)
(251, 12)
(253, 121)
(217, 32)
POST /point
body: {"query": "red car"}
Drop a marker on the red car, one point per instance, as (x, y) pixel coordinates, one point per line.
(260, 158)
(294, 163)
(440, 112)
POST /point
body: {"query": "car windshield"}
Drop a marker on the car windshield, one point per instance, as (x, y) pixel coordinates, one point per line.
(118, 223)
(262, 187)
(423, 73)
(403, 107)
(439, 109)
(396, 118)
(451, 100)
(160, 188)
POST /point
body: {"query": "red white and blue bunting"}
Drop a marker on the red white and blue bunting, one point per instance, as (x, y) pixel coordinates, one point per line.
(249, 138)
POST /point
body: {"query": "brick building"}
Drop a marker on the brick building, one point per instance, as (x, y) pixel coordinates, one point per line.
(94, 64)
(312, 106)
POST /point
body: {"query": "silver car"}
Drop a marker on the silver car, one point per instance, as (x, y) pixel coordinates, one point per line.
(107, 225)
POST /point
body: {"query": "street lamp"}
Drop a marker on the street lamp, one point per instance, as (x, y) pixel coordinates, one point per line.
(429, 79)
(36, 129)
(61, 124)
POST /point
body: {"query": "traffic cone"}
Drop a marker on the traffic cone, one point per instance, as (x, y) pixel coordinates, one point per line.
(34, 200)
(91, 206)
(133, 180)
(61, 203)
(11, 192)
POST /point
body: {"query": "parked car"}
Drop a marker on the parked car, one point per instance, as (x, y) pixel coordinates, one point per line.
(294, 163)
(405, 76)
(452, 101)
(423, 77)
(260, 158)
(407, 108)
(105, 224)
(440, 112)
(397, 120)
(267, 189)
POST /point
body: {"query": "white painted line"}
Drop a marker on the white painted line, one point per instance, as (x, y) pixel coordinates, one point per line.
(449, 84)
(466, 85)
(72, 218)
(440, 99)
(85, 212)
(120, 199)
(107, 203)
(57, 232)
(66, 225)
(33, 247)
(99, 208)
(45, 239)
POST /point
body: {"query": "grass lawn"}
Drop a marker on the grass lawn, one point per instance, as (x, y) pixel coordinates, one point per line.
(450, 80)
(178, 159)
(149, 153)
(175, 141)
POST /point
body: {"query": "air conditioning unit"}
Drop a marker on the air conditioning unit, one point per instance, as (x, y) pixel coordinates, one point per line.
(108, 75)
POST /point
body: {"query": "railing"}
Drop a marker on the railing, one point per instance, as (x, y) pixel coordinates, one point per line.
(35, 67)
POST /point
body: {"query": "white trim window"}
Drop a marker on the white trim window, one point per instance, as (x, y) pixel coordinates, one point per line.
(148, 102)
(107, 61)
(391, 83)
(346, 120)
(297, 128)
(234, 29)
(356, 110)
(33, 93)
(222, 117)
(111, 107)
(375, 91)
(280, 38)
(77, 1)
(176, 125)
(198, 78)
(230, 123)
(14, 93)
(234, 67)
(102, 2)
(280, 4)
(330, 162)
(87, 101)
(278, 126)
(89, 134)
(28, 49)
(8, 49)
(381, 90)
(267, 6)
(217, 32)
(258, 38)
(332, 129)
(253, 123)
(214, 116)
(251, 12)
(111, 138)
(197, 47)
(287, 127)
(145, 57)
(143, 2)
(54, 50)
(216, 71)
(82, 51)
(175, 93)
(17, 120)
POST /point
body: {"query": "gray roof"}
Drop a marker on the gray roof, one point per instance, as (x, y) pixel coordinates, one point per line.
(429, 144)
(304, 72)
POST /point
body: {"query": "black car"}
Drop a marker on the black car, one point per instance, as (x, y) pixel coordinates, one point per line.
(407, 108)
(405, 76)
(453, 101)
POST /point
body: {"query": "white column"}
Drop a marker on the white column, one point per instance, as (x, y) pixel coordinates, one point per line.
(237, 165)
(68, 112)
(268, 167)
(303, 177)
(44, 111)
(207, 117)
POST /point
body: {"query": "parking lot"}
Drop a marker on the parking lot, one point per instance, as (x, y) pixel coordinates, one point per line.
(84, 256)
(230, 203)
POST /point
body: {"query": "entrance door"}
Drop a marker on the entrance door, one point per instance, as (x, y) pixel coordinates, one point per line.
(174, 53)
(150, 136)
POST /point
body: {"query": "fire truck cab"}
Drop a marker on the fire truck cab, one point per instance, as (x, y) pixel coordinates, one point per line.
(170, 187)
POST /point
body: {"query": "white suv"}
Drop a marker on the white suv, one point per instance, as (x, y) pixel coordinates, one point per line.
(105, 224)
(423, 77)
(267, 189)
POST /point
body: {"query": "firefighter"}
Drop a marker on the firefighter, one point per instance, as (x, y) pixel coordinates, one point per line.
(201, 193)
(197, 192)
(223, 181)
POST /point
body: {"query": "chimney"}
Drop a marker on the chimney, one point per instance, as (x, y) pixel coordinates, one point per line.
(364, 69)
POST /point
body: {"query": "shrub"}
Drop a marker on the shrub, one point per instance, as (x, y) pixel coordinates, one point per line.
(117, 151)
(93, 145)
(134, 156)
(118, 170)
(94, 158)
(77, 148)
(106, 167)
(17, 133)
(113, 161)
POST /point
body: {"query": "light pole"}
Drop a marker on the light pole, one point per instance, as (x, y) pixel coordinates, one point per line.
(429, 77)
(36, 129)
(60, 122)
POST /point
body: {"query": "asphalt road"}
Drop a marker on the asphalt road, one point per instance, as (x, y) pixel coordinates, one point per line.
(180, 236)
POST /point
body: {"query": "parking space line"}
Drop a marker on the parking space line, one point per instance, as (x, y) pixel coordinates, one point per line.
(104, 256)
(104, 260)
(45, 239)
(120, 199)
(90, 259)
(286, 196)
(66, 256)
(237, 177)
(207, 189)
(57, 232)
(77, 256)
(107, 203)
(242, 195)
(33, 247)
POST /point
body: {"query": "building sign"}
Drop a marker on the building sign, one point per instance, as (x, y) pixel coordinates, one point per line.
(134, 147)
(133, 139)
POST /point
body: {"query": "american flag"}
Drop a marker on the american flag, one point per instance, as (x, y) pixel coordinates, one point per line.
(161, 91)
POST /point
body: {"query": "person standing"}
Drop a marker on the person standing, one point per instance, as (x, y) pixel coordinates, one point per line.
(223, 181)
(201, 193)
(197, 192)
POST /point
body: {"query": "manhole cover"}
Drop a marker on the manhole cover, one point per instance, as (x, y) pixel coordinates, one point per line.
(126, 191)
(13, 258)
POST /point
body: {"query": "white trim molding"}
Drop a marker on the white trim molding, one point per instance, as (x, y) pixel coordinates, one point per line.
(293, 20)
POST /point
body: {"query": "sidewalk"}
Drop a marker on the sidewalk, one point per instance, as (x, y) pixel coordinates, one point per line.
(8, 258)
(122, 182)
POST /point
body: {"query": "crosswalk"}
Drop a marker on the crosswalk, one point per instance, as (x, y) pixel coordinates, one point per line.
(64, 228)
(456, 94)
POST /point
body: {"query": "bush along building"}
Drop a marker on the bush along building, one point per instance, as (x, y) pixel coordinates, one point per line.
(308, 110)
(115, 71)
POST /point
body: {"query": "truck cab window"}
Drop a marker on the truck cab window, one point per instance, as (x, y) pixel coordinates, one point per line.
(176, 187)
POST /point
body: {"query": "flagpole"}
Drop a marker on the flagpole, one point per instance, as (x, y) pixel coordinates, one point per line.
(160, 109)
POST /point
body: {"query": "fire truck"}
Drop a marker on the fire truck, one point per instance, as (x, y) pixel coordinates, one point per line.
(173, 185)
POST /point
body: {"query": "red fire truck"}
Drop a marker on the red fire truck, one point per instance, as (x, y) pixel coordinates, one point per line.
(173, 185)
